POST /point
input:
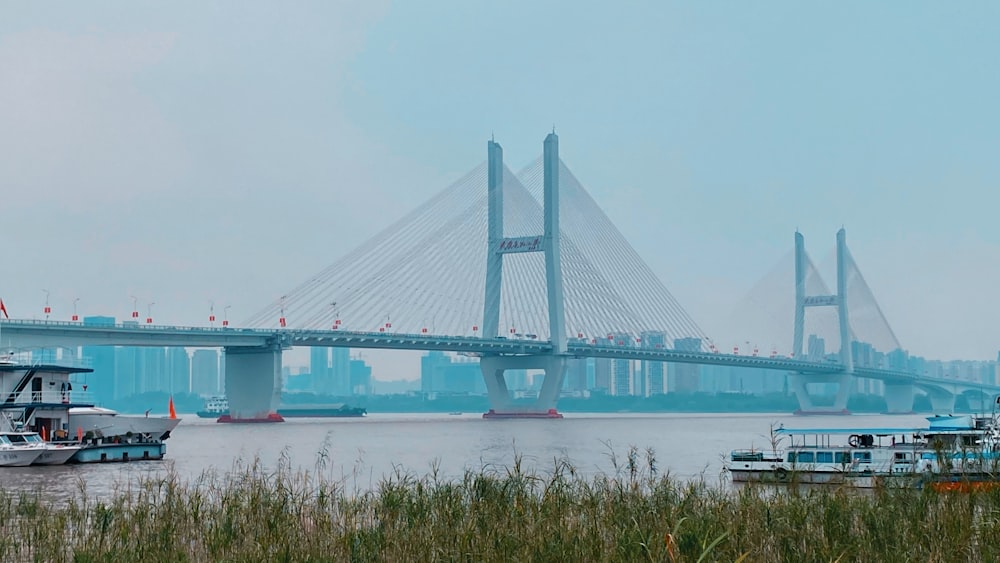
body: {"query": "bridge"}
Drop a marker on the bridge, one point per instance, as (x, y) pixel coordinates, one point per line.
(499, 255)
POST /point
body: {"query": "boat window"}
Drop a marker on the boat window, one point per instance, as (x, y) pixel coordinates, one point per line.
(805, 457)
(843, 457)
(791, 457)
(824, 457)
(902, 456)
(863, 456)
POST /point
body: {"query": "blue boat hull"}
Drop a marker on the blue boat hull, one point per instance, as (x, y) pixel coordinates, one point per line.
(110, 453)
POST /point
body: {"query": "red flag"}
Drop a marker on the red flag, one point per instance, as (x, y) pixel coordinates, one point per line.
(3, 309)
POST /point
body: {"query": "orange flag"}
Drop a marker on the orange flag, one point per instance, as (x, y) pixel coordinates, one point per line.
(44, 439)
(173, 413)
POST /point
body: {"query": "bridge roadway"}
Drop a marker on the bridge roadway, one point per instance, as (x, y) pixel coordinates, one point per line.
(28, 334)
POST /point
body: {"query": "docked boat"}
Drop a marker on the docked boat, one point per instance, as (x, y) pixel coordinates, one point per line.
(49, 453)
(110, 449)
(15, 456)
(106, 422)
(44, 420)
(951, 449)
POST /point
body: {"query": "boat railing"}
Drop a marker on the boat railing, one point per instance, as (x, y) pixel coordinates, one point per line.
(56, 396)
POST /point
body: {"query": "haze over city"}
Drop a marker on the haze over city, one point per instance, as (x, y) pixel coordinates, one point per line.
(193, 156)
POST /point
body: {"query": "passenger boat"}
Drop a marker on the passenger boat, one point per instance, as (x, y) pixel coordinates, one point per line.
(41, 414)
(951, 449)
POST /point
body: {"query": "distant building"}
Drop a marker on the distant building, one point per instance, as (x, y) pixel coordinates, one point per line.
(205, 373)
(178, 371)
(685, 378)
(361, 378)
(100, 383)
(340, 371)
(441, 373)
(654, 373)
(319, 368)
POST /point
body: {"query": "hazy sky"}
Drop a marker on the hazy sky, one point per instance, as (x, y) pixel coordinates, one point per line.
(190, 152)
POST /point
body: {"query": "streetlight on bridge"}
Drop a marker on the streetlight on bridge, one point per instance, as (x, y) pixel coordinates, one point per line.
(47, 308)
(149, 313)
(75, 316)
(225, 316)
(135, 307)
(211, 313)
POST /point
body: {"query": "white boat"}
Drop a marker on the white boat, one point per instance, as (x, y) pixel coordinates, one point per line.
(951, 448)
(16, 456)
(100, 421)
(50, 453)
(39, 400)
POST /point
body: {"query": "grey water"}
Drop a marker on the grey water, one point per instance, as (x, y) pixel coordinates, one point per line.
(360, 452)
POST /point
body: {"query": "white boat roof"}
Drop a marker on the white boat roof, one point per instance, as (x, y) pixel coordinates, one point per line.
(92, 410)
(874, 431)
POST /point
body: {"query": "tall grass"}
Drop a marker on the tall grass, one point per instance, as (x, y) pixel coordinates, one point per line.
(495, 514)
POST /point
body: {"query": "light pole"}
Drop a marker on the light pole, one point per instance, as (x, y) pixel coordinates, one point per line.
(149, 313)
(211, 313)
(75, 316)
(47, 308)
(135, 307)
(225, 316)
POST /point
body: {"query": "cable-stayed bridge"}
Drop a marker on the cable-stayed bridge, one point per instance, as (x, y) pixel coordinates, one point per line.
(525, 271)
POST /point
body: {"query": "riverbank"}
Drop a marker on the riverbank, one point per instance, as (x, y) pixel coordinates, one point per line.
(494, 514)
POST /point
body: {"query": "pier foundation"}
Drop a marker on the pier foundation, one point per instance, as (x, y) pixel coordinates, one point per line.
(806, 406)
(502, 404)
(253, 384)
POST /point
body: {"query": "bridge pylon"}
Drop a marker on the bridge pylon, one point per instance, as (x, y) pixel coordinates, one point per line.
(554, 364)
(843, 379)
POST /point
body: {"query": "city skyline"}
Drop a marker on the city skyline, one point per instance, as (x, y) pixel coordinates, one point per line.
(197, 169)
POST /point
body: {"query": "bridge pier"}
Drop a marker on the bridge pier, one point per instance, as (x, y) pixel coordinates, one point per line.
(253, 384)
(501, 404)
(942, 401)
(978, 401)
(806, 405)
(899, 398)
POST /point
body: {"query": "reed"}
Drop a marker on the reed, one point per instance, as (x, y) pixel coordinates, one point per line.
(252, 513)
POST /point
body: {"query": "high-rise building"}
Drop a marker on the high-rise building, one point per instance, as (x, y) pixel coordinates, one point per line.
(576, 376)
(205, 372)
(654, 373)
(100, 383)
(602, 374)
(623, 377)
(361, 378)
(127, 370)
(441, 373)
(319, 367)
(340, 372)
(153, 369)
(685, 377)
(178, 370)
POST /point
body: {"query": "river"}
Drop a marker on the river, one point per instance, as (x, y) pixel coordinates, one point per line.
(360, 451)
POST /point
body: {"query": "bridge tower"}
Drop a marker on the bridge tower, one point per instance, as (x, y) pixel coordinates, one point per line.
(554, 365)
(839, 300)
